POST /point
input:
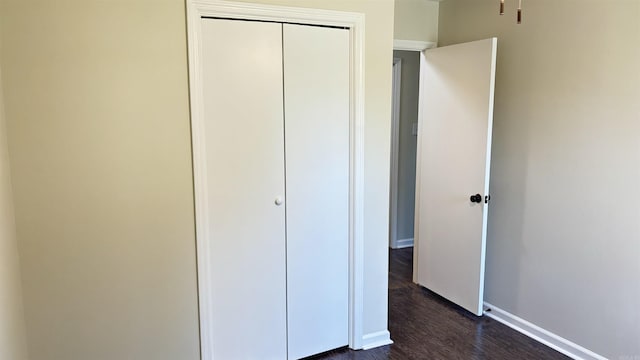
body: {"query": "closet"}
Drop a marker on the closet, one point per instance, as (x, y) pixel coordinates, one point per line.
(276, 109)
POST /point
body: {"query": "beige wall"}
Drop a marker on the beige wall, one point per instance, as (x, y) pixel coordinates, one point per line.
(564, 229)
(13, 344)
(98, 127)
(97, 110)
(409, 89)
(416, 20)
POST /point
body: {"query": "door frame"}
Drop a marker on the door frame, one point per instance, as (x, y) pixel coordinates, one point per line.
(355, 22)
(403, 45)
(395, 152)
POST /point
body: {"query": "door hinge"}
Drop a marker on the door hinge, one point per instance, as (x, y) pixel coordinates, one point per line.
(487, 198)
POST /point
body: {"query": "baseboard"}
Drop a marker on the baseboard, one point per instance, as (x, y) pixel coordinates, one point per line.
(402, 243)
(541, 335)
(374, 340)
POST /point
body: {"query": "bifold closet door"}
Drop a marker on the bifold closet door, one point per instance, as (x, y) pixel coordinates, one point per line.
(244, 137)
(316, 88)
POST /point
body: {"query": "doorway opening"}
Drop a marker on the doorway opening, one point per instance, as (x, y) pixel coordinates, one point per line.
(404, 131)
(404, 141)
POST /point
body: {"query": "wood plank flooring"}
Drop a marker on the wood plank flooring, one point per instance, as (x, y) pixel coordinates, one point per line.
(425, 326)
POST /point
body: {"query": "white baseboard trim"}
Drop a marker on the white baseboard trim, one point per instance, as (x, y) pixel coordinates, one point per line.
(541, 335)
(374, 340)
(402, 243)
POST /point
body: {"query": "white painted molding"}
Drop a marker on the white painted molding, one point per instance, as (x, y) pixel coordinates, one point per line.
(541, 335)
(402, 243)
(413, 45)
(276, 13)
(377, 339)
(395, 152)
(355, 22)
(421, 113)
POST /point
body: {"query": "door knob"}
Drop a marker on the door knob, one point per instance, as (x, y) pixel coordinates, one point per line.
(278, 201)
(477, 198)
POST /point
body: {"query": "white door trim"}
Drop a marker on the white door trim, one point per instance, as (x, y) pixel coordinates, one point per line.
(395, 152)
(421, 114)
(355, 22)
(413, 45)
(416, 225)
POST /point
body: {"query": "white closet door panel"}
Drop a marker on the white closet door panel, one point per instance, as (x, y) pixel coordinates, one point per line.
(316, 86)
(245, 170)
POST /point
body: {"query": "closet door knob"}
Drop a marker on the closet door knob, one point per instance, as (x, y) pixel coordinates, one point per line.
(278, 201)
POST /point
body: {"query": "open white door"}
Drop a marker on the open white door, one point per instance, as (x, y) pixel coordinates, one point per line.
(452, 186)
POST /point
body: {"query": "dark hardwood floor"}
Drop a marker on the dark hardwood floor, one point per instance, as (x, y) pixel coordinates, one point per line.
(425, 326)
